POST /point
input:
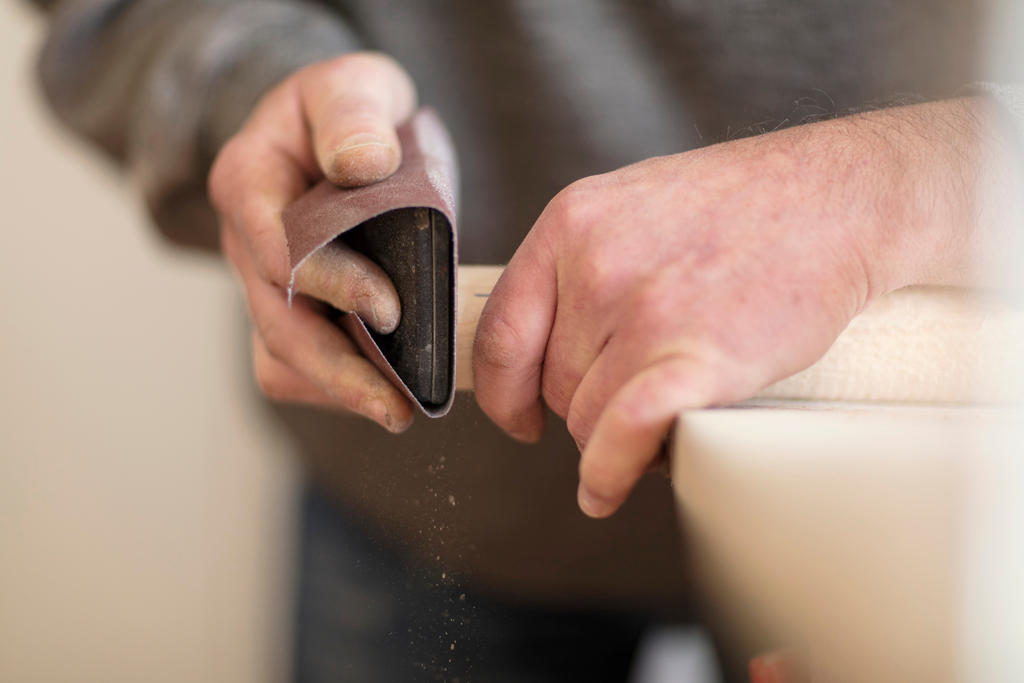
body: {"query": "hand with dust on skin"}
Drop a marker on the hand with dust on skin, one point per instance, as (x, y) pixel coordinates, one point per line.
(334, 119)
(697, 279)
(784, 666)
(795, 666)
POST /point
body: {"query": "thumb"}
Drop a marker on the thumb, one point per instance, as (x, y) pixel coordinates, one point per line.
(353, 104)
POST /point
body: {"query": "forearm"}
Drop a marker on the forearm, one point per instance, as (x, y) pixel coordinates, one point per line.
(160, 85)
(953, 206)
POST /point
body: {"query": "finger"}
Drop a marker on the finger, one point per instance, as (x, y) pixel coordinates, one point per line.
(302, 339)
(632, 427)
(591, 286)
(258, 173)
(574, 344)
(350, 281)
(353, 105)
(281, 383)
(511, 337)
(231, 248)
(777, 667)
(602, 380)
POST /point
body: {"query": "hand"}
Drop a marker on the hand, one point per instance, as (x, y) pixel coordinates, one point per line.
(782, 666)
(335, 119)
(697, 279)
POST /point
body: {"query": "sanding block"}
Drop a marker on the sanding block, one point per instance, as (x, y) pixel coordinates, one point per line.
(405, 224)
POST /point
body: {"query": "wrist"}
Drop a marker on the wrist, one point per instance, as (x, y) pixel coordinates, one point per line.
(919, 173)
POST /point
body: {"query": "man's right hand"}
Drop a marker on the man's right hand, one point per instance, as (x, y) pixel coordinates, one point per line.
(334, 119)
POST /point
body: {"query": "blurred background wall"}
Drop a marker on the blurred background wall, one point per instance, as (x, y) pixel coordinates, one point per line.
(145, 506)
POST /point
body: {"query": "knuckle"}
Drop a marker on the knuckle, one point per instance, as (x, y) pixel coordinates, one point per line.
(575, 207)
(358, 285)
(627, 412)
(224, 174)
(272, 269)
(274, 334)
(558, 389)
(498, 344)
(557, 397)
(649, 312)
(316, 279)
(599, 275)
(267, 380)
(266, 241)
(688, 379)
(350, 116)
(340, 278)
(581, 418)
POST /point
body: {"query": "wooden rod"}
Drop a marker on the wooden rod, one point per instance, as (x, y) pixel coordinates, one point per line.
(475, 285)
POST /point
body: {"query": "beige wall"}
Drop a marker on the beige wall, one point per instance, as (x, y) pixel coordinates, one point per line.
(144, 508)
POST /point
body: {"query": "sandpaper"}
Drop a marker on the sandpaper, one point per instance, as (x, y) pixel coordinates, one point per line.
(406, 224)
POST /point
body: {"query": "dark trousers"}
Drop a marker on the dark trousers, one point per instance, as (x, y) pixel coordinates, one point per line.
(365, 615)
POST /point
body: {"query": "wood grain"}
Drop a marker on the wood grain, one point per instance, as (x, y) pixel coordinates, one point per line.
(917, 346)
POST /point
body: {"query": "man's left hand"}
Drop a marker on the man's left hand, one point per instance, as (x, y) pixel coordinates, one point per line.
(697, 279)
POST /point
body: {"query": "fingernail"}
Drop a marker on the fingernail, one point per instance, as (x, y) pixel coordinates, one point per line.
(397, 427)
(362, 159)
(385, 317)
(360, 140)
(592, 505)
(378, 411)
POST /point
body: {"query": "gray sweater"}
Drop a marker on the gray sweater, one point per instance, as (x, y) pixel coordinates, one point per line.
(538, 93)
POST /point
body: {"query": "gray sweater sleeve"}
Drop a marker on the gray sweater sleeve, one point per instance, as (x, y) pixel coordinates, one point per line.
(161, 84)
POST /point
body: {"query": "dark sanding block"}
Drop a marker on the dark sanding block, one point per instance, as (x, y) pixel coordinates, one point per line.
(406, 224)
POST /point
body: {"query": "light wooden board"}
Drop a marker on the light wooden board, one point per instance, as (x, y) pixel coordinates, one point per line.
(837, 530)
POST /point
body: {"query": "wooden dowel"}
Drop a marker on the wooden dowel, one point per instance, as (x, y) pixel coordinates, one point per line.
(475, 285)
